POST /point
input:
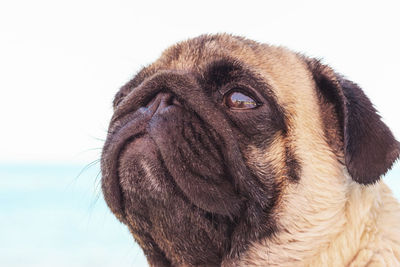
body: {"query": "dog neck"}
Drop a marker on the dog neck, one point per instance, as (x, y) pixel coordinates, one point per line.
(343, 228)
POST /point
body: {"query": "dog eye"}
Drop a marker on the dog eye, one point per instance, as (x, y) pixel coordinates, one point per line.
(238, 100)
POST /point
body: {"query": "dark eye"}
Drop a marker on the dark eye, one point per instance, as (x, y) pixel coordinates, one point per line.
(238, 100)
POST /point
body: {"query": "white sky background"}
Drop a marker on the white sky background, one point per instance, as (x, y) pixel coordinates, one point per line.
(61, 62)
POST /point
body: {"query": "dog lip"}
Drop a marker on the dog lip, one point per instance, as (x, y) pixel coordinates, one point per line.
(114, 145)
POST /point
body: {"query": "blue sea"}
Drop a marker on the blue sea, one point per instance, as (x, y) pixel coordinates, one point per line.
(55, 215)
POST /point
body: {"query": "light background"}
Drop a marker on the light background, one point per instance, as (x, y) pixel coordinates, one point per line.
(61, 62)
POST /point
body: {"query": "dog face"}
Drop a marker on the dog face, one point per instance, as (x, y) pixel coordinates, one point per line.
(211, 147)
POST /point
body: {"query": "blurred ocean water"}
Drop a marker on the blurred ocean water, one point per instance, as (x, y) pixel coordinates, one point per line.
(54, 215)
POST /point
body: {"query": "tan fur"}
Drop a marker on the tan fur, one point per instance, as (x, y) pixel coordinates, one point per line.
(325, 219)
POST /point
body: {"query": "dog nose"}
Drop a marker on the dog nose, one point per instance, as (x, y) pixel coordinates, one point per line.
(162, 101)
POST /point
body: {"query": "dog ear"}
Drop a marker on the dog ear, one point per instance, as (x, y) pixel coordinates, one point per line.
(369, 147)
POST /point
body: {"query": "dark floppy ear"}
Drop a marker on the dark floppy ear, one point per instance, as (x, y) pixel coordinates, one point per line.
(368, 145)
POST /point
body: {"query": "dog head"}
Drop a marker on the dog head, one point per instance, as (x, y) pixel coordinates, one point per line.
(209, 145)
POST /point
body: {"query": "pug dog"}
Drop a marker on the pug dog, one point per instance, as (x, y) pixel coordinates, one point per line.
(228, 152)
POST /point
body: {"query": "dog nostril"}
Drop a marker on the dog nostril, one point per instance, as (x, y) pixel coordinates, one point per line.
(163, 99)
(175, 102)
(169, 100)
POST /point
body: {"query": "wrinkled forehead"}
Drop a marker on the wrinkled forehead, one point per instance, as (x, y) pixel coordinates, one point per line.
(196, 54)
